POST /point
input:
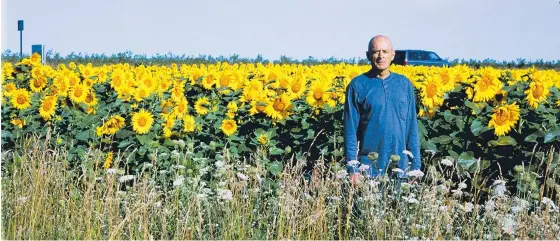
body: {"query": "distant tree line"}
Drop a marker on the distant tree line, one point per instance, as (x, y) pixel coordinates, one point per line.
(54, 58)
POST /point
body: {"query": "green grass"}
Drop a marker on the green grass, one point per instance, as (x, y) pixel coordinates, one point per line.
(43, 198)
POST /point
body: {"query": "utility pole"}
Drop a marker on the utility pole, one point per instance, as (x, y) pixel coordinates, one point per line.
(20, 29)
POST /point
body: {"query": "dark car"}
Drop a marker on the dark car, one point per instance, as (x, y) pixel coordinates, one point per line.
(418, 57)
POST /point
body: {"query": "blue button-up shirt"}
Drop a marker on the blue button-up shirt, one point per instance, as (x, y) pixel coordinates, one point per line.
(380, 116)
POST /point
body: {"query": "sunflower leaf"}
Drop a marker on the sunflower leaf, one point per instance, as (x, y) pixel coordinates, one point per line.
(552, 135)
(503, 141)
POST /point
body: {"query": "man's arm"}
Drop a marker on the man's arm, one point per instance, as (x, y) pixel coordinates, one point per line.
(351, 121)
(413, 141)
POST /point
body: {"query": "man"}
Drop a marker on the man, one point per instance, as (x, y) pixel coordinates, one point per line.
(380, 117)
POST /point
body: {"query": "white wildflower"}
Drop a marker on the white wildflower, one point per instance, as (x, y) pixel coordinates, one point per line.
(334, 198)
(468, 207)
(413, 200)
(180, 143)
(22, 200)
(353, 163)
(341, 174)
(457, 193)
(462, 185)
(225, 194)
(373, 183)
(242, 176)
(443, 208)
(447, 162)
(126, 178)
(550, 203)
(175, 154)
(397, 170)
(433, 152)
(499, 190)
(499, 182)
(163, 172)
(203, 171)
(157, 204)
(180, 167)
(219, 164)
(508, 226)
(415, 173)
(408, 153)
(178, 181)
(442, 188)
(363, 167)
(111, 171)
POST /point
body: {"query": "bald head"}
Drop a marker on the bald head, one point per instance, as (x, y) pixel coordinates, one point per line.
(379, 39)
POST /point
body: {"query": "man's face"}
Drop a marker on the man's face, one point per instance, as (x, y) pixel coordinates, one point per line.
(381, 54)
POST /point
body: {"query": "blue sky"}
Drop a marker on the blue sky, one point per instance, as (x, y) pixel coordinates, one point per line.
(469, 29)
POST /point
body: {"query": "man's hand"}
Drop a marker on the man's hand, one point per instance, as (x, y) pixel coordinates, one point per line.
(355, 178)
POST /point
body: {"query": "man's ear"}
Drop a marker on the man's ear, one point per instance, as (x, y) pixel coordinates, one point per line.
(368, 56)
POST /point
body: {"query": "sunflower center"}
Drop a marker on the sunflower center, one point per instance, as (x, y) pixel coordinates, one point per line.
(47, 105)
(279, 105)
(78, 92)
(483, 84)
(224, 81)
(142, 121)
(538, 90)
(318, 94)
(37, 83)
(181, 108)
(296, 87)
(502, 117)
(431, 90)
(89, 98)
(21, 100)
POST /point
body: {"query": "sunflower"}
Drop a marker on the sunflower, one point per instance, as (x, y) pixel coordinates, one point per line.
(487, 85)
(114, 124)
(142, 121)
(536, 93)
(178, 90)
(35, 59)
(209, 81)
(251, 91)
(166, 132)
(61, 85)
(78, 93)
(8, 89)
(38, 84)
(181, 108)
(141, 93)
(263, 139)
(431, 92)
(232, 106)
(229, 127)
(201, 106)
(259, 104)
(48, 107)
(279, 108)
(504, 118)
(7, 70)
(21, 99)
(188, 123)
(91, 99)
(108, 160)
(18, 122)
(297, 86)
(317, 95)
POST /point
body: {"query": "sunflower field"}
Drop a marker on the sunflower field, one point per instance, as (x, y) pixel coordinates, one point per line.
(150, 114)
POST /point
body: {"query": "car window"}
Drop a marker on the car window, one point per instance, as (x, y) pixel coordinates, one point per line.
(433, 56)
(413, 55)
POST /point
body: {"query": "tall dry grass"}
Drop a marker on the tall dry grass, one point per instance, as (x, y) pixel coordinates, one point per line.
(44, 198)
